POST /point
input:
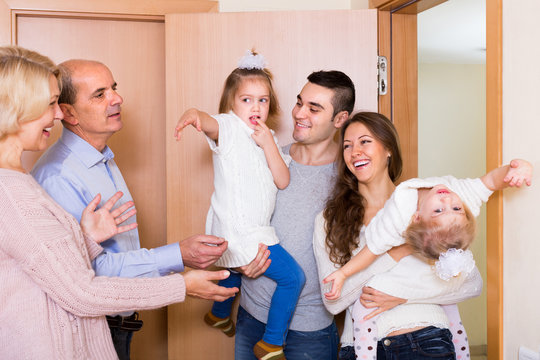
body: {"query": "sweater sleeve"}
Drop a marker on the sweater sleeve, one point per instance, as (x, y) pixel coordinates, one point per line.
(385, 230)
(352, 288)
(473, 192)
(49, 247)
(415, 280)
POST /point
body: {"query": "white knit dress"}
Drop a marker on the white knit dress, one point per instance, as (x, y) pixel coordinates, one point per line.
(244, 192)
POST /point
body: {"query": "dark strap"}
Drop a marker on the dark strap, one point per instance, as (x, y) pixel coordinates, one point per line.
(128, 323)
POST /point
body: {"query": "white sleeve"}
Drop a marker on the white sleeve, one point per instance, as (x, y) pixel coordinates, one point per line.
(352, 288)
(415, 280)
(473, 192)
(386, 228)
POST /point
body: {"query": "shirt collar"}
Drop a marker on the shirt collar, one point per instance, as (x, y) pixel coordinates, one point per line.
(88, 154)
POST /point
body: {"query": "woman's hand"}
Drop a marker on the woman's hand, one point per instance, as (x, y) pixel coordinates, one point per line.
(199, 284)
(372, 298)
(103, 224)
(259, 265)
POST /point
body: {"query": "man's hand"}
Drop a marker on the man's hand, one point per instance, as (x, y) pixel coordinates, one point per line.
(372, 298)
(257, 266)
(199, 284)
(201, 251)
(100, 225)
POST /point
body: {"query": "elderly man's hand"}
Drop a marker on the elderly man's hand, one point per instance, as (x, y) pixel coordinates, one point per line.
(201, 251)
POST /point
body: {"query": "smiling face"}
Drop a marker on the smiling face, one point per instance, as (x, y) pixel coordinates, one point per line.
(252, 101)
(365, 156)
(313, 115)
(442, 205)
(33, 134)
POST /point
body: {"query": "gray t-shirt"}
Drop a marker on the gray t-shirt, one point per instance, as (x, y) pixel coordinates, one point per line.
(293, 220)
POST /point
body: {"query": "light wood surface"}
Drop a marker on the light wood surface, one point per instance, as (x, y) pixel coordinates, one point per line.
(405, 89)
(144, 7)
(201, 51)
(494, 116)
(134, 51)
(409, 8)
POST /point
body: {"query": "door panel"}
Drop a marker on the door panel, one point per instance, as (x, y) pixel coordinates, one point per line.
(201, 50)
(134, 51)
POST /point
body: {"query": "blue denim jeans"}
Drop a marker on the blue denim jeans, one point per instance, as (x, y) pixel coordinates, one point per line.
(427, 343)
(290, 279)
(122, 342)
(299, 345)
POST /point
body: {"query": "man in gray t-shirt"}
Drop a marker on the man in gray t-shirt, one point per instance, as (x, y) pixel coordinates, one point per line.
(323, 105)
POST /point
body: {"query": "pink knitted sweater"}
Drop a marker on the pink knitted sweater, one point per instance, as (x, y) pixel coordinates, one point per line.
(52, 305)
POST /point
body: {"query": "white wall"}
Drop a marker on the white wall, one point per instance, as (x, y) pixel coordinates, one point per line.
(451, 140)
(521, 133)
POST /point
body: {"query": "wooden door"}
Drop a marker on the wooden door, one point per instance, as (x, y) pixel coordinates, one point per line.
(201, 50)
(134, 51)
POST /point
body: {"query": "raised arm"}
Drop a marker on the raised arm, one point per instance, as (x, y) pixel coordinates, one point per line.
(264, 138)
(517, 173)
(200, 121)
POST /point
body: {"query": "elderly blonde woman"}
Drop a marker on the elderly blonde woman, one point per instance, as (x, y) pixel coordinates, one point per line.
(52, 305)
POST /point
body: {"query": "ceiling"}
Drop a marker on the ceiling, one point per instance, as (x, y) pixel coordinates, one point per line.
(453, 32)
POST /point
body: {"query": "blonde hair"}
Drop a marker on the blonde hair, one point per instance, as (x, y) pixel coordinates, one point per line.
(24, 87)
(429, 239)
(232, 83)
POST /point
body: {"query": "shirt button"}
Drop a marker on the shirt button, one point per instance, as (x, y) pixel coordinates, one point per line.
(387, 342)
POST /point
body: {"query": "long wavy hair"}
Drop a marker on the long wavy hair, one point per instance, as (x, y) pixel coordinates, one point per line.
(344, 212)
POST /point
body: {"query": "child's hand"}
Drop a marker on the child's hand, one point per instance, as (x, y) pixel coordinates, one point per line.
(338, 278)
(190, 117)
(519, 172)
(262, 135)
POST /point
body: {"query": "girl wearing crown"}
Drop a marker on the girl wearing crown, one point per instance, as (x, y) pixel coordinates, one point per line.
(249, 168)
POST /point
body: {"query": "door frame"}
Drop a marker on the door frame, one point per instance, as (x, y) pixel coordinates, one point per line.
(402, 108)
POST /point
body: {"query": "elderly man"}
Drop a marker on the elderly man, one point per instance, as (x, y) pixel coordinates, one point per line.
(80, 165)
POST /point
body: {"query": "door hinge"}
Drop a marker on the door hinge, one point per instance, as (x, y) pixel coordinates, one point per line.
(382, 71)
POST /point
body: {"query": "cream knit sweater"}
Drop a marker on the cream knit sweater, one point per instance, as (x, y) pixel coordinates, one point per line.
(52, 305)
(244, 192)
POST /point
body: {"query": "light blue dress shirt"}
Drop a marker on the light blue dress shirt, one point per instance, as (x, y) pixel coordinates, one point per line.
(73, 172)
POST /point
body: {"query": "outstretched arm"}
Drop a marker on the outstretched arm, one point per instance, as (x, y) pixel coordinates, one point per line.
(200, 121)
(280, 172)
(517, 173)
(357, 263)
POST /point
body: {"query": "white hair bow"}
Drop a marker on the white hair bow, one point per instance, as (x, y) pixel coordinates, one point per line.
(251, 61)
(453, 262)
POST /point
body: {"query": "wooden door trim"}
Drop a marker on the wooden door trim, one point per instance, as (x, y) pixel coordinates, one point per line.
(397, 41)
(494, 119)
(15, 14)
(139, 7)
(412, 6)
(97, 9)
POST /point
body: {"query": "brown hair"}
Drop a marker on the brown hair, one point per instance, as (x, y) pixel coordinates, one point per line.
(428, 238)
(232, 83)
(344, 212)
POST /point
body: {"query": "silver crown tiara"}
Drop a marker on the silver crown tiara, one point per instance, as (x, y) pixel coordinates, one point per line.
(251, 61)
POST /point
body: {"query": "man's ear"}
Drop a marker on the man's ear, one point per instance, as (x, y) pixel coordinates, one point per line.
(70, 115)
(340, 118)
